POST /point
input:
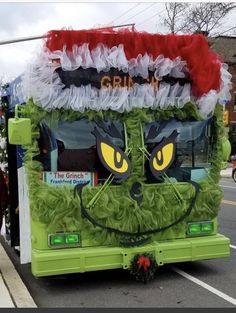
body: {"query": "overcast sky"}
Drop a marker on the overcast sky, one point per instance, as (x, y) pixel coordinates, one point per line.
(32, 19)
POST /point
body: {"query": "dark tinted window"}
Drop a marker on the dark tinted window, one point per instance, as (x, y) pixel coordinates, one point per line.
(72, 146)
(193, 148)
(78, 134)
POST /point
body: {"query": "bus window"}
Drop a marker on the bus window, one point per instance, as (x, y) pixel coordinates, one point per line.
(71, 146)
(193, 147)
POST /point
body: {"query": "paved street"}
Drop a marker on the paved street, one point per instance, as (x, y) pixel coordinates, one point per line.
(198, 284)
(117, 127)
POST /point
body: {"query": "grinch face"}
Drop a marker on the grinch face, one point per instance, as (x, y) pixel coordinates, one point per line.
(143, 169)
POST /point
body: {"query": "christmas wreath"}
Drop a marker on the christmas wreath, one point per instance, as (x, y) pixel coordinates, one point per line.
(143, 267)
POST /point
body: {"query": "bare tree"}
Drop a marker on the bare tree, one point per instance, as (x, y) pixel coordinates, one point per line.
(174, 19)
(198, 17)
(207, 17)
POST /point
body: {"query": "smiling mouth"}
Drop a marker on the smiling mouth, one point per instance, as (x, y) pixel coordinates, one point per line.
(136, 194)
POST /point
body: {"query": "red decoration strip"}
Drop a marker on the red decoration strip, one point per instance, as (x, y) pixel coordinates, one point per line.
(203, 64)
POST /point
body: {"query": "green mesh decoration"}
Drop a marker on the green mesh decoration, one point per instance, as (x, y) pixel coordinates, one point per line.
(59, 209)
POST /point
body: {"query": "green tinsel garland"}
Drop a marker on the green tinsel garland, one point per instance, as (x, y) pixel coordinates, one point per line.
(59, 210)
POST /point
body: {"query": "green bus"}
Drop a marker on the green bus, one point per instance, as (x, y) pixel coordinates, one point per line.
(123, 141)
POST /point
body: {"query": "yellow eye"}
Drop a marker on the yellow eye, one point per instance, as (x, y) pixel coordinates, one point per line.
(112, 157)
(163, 157)
(114, 160)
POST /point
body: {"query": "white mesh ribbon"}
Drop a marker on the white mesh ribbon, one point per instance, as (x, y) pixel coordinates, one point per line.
(43, 84)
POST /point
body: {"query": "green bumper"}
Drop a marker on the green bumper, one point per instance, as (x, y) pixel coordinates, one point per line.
(79, 260)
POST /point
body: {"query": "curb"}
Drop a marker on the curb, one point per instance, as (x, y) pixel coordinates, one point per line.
(226, 173)
(6, 300)
(13, 291)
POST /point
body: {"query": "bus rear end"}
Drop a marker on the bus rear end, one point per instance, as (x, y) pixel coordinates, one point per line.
(125, 157)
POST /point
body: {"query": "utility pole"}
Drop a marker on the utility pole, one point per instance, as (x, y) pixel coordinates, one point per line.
(6, 42)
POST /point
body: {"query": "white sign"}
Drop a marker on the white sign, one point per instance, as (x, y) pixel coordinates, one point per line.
(69, 178)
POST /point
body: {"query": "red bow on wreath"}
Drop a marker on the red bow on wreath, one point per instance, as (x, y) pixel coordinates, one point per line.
(144, 263)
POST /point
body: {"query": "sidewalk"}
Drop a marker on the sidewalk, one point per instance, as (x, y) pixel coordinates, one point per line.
(6, 300)
(13, 292)
(227, 173)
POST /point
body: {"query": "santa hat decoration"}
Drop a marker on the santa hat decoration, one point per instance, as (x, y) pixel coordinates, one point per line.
(124, 69)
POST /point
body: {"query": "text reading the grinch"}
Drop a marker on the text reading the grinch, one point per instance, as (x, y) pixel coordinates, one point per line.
(69, 178)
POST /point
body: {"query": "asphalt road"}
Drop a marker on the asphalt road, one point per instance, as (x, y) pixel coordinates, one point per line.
(195, 284)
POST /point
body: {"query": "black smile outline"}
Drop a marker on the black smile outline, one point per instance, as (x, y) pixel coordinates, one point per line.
(85, 213)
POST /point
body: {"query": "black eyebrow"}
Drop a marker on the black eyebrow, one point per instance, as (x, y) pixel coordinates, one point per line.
(111, 130)
(154, 130)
